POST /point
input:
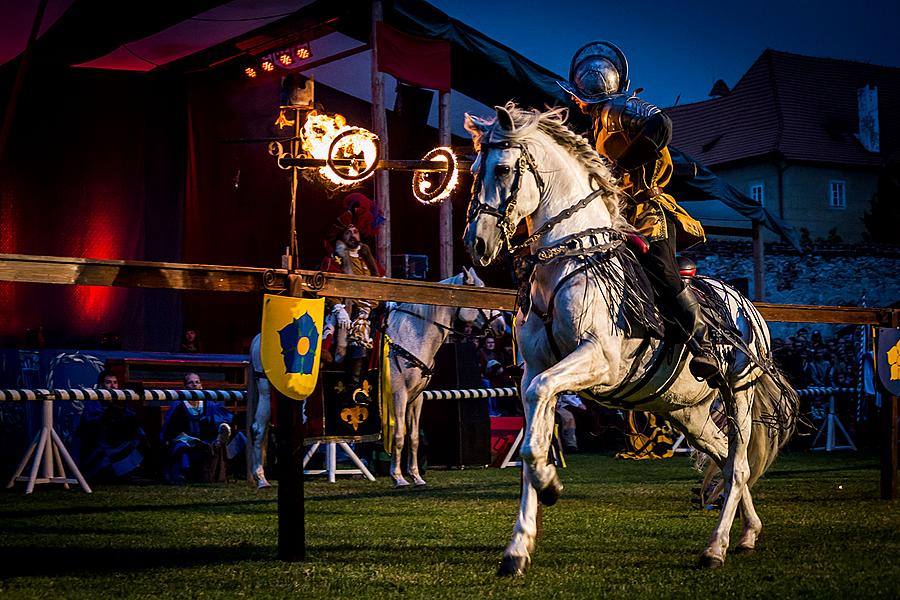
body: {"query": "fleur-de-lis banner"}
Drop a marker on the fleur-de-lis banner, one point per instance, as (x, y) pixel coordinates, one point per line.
(292, 343)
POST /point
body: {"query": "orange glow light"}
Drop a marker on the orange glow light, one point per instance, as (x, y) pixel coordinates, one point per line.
(285, 59)
(250, 71)
(267, 65)
(303, 53)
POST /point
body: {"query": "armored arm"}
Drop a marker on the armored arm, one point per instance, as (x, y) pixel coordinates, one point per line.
(647, 128)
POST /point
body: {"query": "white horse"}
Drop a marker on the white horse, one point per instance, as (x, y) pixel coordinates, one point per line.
(259, 408)
(574, 329)
(416, 332)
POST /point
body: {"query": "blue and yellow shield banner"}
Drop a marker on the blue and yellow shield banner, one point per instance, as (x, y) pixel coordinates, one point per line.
(887, 361)
(292, 343)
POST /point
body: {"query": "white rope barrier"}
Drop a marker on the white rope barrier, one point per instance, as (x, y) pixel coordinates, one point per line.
(826, 391)
(467, 394)
(14, 395)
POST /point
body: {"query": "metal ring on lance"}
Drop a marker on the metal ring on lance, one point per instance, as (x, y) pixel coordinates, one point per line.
(343, 151)
(423, 187)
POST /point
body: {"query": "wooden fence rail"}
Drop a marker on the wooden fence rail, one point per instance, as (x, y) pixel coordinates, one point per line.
(178, 276)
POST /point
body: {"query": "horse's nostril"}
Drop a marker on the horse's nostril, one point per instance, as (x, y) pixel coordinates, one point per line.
(480, 247)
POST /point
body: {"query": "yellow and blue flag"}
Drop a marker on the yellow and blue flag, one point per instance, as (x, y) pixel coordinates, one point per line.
(291, 343)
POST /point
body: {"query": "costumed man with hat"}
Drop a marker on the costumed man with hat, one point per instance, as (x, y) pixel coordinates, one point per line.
(353, 339)
(633, 135)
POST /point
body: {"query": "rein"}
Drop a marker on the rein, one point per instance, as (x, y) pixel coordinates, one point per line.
(504, 212)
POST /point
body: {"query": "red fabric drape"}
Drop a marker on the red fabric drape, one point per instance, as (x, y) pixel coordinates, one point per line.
(414, 60)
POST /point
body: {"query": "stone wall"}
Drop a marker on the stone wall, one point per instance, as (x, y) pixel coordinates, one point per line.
(827, 275)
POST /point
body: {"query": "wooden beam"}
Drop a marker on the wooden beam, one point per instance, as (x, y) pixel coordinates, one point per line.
(445, 233)
(127, 273)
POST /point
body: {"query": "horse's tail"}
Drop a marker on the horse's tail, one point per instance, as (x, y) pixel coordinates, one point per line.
(775, 409)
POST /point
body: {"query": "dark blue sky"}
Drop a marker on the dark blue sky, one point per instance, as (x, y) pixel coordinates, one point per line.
(681, 47)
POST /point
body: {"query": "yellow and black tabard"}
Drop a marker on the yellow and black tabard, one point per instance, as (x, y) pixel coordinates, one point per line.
(649, 203)
(634, 134)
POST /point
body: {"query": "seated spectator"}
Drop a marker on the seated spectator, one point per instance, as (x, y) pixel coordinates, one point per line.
(198, 439)
(112, 441)
(566, 406)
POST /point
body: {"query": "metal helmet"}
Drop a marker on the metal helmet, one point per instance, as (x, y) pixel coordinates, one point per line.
(598, 70)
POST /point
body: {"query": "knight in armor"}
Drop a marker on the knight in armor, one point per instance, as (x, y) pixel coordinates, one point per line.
(633, 135)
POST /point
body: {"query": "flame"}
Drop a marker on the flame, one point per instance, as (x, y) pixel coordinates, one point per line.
(422, 186)
(320, 131)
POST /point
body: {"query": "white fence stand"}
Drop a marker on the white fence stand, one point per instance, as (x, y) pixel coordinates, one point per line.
(829, 426)
(331, 461)
(677, 448)
(48, 450)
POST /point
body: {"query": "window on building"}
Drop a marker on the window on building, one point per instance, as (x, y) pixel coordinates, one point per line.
(758, 192)
(837, 194)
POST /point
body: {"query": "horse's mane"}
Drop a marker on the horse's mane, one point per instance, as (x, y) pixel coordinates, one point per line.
(553, 123)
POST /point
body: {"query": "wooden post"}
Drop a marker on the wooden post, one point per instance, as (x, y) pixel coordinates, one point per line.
(291, 514)
(446, 214)
(759, 264)
(379, 128)
(889, 415)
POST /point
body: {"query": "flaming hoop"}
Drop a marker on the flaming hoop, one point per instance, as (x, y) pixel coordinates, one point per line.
(350, 153)
(358, 147)
(423, 187)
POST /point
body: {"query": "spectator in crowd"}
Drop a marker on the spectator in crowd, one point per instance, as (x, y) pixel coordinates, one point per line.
(113, 443)
(198, 438)
(190, 342)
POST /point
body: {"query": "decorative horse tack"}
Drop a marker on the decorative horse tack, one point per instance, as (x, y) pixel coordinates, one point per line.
(580, 289)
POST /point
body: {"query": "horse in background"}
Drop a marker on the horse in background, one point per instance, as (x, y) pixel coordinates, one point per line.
(586, 317)
(416, 332)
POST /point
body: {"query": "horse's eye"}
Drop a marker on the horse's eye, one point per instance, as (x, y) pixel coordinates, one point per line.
(501, 170)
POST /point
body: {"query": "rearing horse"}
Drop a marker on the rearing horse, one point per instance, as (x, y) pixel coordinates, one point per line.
(583, 324)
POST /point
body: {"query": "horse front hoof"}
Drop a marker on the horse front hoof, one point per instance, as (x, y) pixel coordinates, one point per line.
(711, 561)
(419, 483)
(401, 483)
(513, 566)
(550, 494)
(744, 549)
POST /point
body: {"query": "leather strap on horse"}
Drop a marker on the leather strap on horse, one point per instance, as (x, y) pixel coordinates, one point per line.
(410, 358)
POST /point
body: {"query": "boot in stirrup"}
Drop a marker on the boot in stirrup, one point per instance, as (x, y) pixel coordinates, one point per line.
(704, 364)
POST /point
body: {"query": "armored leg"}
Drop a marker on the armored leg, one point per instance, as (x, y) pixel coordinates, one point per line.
(704, 364)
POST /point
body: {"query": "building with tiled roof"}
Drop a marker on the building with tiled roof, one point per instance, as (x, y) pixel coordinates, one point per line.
(806, 136)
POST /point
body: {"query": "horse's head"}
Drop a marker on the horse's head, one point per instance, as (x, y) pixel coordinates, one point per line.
(479, 318)
(507, 184)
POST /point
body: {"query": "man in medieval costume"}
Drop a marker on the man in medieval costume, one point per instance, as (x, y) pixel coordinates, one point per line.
(633, 135)
(352, 317)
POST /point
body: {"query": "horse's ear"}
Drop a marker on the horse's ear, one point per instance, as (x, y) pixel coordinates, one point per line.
(475, 125)
(504, 118)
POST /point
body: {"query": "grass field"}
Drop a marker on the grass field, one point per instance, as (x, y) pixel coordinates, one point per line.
(621, 530)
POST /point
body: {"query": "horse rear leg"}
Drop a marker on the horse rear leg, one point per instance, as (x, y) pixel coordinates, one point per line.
(400, 398)
(703, 434)
(736, 475)
(413, 413)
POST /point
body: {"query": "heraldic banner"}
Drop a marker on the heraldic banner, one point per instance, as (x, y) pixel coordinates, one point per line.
(292, 343)
(887, 361)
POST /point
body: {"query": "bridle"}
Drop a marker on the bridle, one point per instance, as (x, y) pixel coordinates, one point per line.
(503, 213)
